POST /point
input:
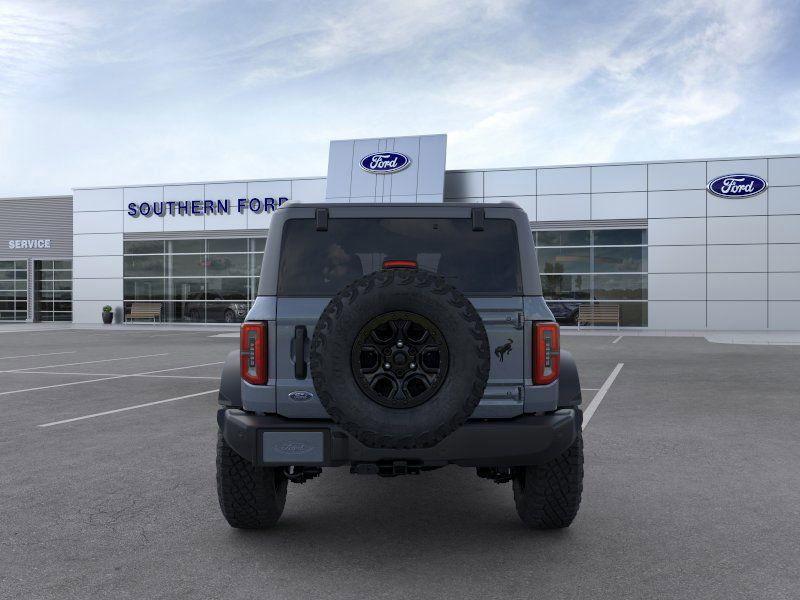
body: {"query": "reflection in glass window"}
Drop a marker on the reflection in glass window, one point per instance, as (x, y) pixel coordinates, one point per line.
(594, 266)
(563, 260)
(195, 281)
(620, 260)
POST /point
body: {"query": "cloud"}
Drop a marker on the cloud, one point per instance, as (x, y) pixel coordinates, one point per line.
(34, 40)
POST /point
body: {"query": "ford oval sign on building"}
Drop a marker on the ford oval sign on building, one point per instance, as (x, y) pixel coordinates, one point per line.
(737, 186)
(385, 163)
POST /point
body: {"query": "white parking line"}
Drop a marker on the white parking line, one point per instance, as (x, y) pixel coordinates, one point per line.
(34, 355)
(118, 410)
(598, 397)
(617, 339)
(113, 374)
(86, 362)
(47, 387)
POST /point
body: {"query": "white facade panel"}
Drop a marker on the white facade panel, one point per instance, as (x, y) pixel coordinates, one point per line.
(755, 166)
(521, 182)
(468, 184)
(566, 180)
(722, 207)
(97, 244)
(665, 314)
(308, 190)
(676, 203)
(784, 286)
(101, 290)
(676, 176)
(619, 178)
(737, 230)
(89, 311)
(188, 221)
(784, 171)
(432, 156)
(154, 193)
(404, 183)
(676, 232)
(266, 189)
(565, 207)
(231, 192)
(364, 185)
(98, 199)
(96, 267)
(784, 200)
(340, 171)
(737, 286)
(784, 257)
(733, 258)
(732, 315)
(676, 286)
(430, 198)
(676, 259)
(784, 315)
(620, 205)
(784, 229)
(97, 222)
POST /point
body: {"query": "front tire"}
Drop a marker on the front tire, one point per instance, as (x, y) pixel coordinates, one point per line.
(250, 497)
(548, 496)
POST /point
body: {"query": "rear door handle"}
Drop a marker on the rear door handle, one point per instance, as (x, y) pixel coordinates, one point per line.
(300, 370)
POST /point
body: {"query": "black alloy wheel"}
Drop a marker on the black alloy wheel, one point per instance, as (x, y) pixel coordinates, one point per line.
(400, 359)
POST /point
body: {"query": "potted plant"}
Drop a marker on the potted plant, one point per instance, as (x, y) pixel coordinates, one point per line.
(108, 315)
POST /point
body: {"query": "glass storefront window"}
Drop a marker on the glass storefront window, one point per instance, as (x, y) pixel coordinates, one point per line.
(563, 260)
(53, 290)
(205, 280)
(602, 265)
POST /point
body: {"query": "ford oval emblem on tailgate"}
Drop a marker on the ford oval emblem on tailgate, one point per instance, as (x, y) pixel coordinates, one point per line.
(384, 163)
(300, 396)
(293, 448)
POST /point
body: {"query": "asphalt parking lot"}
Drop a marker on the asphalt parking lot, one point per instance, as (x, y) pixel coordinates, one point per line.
(691, 490)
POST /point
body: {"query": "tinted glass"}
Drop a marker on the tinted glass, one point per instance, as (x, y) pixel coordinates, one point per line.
(144, 289)
(620, 237)
(186, 246)
(145, 247)
(566, 287)
(563, 238)
(229, 245)
(143, 266)
(620, 287)
(320, 263)
(620, 260)
(226, 264)
(563, 260)
(187, 265)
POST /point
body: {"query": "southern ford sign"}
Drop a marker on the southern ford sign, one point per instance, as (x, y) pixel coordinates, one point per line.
(204, 207)
(737, 186)
(385, 163)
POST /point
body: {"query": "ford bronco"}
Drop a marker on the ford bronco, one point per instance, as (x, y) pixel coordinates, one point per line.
(396, 339)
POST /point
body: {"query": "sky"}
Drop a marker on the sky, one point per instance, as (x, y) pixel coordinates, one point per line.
(110, 93)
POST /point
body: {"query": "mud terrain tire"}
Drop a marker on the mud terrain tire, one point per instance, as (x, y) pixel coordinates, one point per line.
(423, 295)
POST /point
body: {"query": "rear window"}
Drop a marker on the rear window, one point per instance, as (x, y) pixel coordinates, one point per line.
(320, 263)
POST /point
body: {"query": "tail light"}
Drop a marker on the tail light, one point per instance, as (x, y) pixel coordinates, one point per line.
(546, 352)
(253, 352)
(399, 264)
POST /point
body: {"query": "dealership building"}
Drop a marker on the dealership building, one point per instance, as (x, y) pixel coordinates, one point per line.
(682, 244)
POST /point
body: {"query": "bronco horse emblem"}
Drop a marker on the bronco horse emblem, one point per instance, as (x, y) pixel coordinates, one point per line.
(501, 351)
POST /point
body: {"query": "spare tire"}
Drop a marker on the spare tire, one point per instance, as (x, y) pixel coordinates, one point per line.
(400, 358)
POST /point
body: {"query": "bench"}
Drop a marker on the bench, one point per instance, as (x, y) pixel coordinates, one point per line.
(598, 313)
(144, 310)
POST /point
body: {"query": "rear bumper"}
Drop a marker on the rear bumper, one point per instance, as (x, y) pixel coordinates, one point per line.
(273, 441)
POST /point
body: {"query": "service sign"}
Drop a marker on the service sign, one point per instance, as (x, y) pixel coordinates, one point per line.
(385, 163)
(737, 186)
(28, 244)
